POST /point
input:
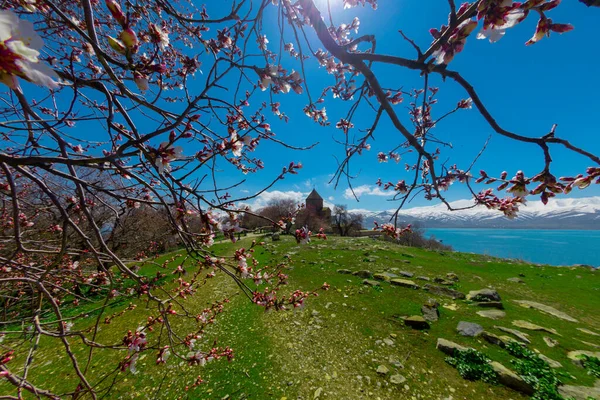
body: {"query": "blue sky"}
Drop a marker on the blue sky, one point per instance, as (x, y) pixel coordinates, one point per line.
(526, 88)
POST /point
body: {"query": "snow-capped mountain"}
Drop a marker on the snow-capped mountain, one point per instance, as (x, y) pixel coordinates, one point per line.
(582, 213)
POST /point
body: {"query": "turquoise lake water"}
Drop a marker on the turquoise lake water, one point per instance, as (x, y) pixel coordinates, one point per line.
(554, 247)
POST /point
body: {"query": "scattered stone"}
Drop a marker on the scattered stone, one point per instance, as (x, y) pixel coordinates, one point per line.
(546, 309)
(552, 363)
(389, 342)
(590, 344)
(381, 277)
(370, 282)
(395, 362)
(493, 339)
(416, 322)
(397, 379)
(533, 327)
(510, 379)
(522, 337)
(406, 274)
(483, 295)
(493, 314)
(443, 281)
(452, 306)
(365, 274)
(452, 276)
(383, 370)
(317, 393)
(423, 278)
(407, 255)
(469, 329)
(490, 304)
(588, 332)
(443, 291)
(577, 355)
(550, 342)
(404, 283)
(579, 392)
(275, 237)
(516, 280)
(430, 310)
(448, 347)
(344, 271)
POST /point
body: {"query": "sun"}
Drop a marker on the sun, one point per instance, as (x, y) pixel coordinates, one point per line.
(326, 6)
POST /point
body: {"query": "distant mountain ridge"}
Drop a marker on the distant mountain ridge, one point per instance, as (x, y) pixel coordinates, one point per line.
(571, 213)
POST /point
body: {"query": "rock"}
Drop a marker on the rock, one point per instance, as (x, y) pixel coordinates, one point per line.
(469, 329)
(493, 339)
(451, 276)
(443, 291)
(483, 295)
(406, 274)
(317, 393)
(416, 322)
(493, 314)
(381, 277)
(521, 337)
(344, 271)
(395, 362)
(452, 306)
(448, 347)
(516, 280)
(404, 283)
(550, 342)
(275, 237)
(443, 281)
(577, 355)
(510, 379)
(365, 274)
(490, 304)
(552, 363)
(423, 278)
(546, 309)
(370, 282)
(383, 370)
(588, 332)
(407, 255)
(596, 346)
(389, 342)
(430, 310)
(397, 379)
(579, 392)
(533, 327)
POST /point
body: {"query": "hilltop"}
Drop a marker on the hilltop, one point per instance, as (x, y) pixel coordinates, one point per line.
(353, 342)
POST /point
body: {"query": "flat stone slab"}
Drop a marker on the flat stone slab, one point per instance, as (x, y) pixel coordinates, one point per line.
(404, 283)
(588, 332)
(406, 274)
(469, 329)
(521, 336)
(511, 379)
(492, 314)
(501, 341)
(416, 322)
(490, 304)
(483, 295)
(577, 356)
(516, 280)
(344, 271)
(381, 277)
(545, 309)
(579, 392)
(423, 278)
(443, 281)
(430, 310)
(370, 282)
(448, 347)
(533, 327)
(552, 363)
(363, 274)
(444, 291)
(550, 342)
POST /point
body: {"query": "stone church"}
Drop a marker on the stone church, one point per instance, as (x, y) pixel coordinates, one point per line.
(315, 215)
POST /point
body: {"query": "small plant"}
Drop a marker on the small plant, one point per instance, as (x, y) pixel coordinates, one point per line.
(536, 372)
(473, 365)
(592, 364)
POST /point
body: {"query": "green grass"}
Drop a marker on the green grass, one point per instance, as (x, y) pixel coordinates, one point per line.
(336, 341)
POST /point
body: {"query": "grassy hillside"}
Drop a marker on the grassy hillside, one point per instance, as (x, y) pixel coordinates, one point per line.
(333, 347)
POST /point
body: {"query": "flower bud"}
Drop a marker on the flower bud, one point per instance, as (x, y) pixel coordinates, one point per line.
(130, 40)
(117, 13)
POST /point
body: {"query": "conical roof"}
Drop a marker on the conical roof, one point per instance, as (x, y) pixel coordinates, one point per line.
(314, 196)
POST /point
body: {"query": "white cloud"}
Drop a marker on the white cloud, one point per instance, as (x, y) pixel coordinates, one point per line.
(244, 191)
(366, 190)
(264, 198)
(331, 198)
